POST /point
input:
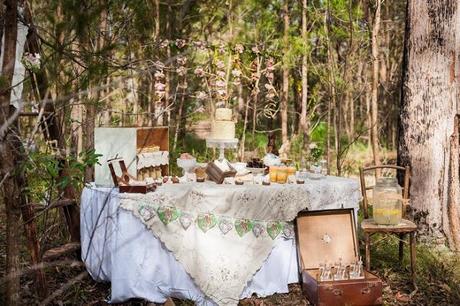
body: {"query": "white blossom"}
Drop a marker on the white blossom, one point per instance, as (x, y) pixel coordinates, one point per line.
(180, 43)
(239, 48)
(164, 44)
(201, 95)
(181, 71)
(236, 73)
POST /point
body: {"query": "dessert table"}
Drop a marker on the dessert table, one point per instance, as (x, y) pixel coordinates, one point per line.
(213, 244)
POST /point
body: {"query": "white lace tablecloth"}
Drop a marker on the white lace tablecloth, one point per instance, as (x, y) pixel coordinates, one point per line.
(206, 266)
(152, 159)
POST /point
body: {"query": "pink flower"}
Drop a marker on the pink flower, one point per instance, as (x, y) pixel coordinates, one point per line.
(180, 43)
(220, 64)
(239, 48)
(159, 75)
(181, 60)
(199, 72)
(160, 86)
(181, 71)
(221, 84)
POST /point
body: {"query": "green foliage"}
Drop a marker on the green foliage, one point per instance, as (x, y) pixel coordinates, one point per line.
(43, 172)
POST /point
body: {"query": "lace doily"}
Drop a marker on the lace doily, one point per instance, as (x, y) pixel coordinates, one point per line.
(222, 259)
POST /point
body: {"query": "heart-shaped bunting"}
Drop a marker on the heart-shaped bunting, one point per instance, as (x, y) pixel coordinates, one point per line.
(146, 212)
(258, 229)
(225, 225)
(185, 220)
(242, 226)
(274, 229)
(288, 230)
(167, 214)
(206, 221)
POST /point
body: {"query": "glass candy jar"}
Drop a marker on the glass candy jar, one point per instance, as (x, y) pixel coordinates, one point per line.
(387, 196)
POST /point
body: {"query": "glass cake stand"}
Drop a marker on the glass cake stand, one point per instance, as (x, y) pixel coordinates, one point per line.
(222, 144)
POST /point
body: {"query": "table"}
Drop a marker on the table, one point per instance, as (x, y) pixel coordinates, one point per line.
(117, 246)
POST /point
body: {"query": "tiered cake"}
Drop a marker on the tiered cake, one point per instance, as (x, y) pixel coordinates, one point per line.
(223, 127)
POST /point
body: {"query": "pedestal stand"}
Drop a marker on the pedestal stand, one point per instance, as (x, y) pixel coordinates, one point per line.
(222, 144)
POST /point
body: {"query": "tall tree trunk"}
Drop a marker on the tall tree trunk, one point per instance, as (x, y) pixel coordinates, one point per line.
(304, 126)
(11, 187)
(332, 104)
(285, 91)
(429, 139)
(167, 98)
(375, 85)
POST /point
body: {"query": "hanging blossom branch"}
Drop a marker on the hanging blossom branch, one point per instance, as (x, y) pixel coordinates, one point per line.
(271, 108)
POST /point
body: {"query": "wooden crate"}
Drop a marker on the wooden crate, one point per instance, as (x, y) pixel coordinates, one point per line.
(126, 143)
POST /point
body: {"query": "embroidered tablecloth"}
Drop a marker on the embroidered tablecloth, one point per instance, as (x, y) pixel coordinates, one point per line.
(222, 234)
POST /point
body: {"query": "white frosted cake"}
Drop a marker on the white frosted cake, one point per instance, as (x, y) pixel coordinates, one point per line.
(223, 127)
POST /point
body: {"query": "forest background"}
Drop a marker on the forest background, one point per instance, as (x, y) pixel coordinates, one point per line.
(324, 76)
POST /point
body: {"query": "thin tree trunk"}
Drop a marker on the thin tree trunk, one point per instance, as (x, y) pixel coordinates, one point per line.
(304, 126)
(255, 97)
(285, 91)
(332, 104)
(375, 84)
(11, 188)
(167, 98)
(179, 116)
(429, 139)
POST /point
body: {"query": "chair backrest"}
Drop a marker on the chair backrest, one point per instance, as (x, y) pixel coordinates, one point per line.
(364, 188)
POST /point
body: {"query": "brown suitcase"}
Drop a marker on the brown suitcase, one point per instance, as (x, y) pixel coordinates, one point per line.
(325, 236)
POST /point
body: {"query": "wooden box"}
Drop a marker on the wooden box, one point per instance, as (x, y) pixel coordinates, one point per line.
(324, 237)
(217, 175)
(126, 143)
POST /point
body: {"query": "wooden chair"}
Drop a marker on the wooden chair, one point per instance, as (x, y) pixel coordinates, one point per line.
(370, 228)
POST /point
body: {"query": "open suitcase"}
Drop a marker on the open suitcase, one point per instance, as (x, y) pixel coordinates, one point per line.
(324, 237)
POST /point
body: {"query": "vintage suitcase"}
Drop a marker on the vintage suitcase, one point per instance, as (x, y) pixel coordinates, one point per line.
(324, 237)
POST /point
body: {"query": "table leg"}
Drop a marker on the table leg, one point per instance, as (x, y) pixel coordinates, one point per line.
(401, 247)
(368, 250)
(412, 255)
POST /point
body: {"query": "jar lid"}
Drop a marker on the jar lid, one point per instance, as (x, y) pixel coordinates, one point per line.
(387, 180)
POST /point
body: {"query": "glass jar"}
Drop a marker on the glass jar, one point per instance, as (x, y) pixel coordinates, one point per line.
(273, 172)
(387, 195)
(282, 175)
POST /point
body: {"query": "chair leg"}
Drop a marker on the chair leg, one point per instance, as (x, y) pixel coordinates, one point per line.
(412, 256)
(368, 251)
(401, 248)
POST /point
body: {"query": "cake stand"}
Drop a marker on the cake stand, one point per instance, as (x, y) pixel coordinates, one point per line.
(222, 144)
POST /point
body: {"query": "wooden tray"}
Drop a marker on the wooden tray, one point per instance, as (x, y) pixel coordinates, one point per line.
(127, 183)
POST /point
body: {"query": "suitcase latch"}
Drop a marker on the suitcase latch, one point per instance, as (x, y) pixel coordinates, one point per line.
(337, 292)
(366, 290)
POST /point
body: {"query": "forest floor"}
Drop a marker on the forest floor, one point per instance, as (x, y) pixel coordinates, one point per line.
(438, 280)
